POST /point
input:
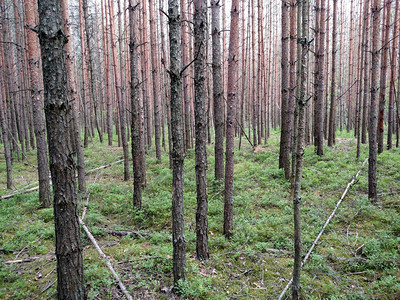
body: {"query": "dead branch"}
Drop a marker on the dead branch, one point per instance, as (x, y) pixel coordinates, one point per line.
(353, 181)
(124, 233)
(107, 261)
(20, 191)
(28, 259)
(391, 193)
(105, 166)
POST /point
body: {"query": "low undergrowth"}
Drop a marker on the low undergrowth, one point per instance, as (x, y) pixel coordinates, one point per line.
(358, 257)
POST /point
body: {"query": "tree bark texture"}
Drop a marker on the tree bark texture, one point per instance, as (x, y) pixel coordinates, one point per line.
(70, 281)
(73, 96)
(37, 102)
(230, 118)
(319, 80)
(367, 71)
(178, 150)
(332, 112)
(373, 121)
(200, 43)
(3, 115)
(284, 152)
(155, 78)
(384, 60)
(302, 102)
(392, 91)
(137, 119)
(218, 90)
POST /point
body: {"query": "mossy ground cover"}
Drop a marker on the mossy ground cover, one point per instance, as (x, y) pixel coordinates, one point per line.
(358, 257)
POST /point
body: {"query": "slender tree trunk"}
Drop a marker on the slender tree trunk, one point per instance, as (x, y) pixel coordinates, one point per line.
(326, 79)
(361, 71)
(284, 152)
(85, 84)
(366, 73)
(3, 114)
(230, 119)
(349, 95)
(393, 79)
(332, 116)
(254, 76)
(319, 79)
(20, 72)
(217, 91)
(382, 87)
(70, 281)
(178, 151)
(200, 43)
(90, 65)
(37, 102)
(154, 71)
(107, 71)
(118, 88)
(372, 132)
(137, 133)
(292, 67)
(73, 96)
(296, 289)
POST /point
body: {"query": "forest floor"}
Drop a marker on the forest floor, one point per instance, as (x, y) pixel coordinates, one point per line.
(358, 256)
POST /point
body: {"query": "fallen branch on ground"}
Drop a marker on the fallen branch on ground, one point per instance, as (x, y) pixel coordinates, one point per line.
(105, 166)
(21, 191)
(391, 193)
(108, 263)
(124, 233)
(353, 181)
(28, 259)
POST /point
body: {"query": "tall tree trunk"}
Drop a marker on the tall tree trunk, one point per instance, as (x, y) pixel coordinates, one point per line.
(319, 81)
(326, 79)
(393, 78)
(230, 118)
(254, 76)
(85, 84)
(70, 281)
(30, 7)
(332, 115)
(20, 72)
(200, 43)
(107, 71)
(147, 91)
(260, 72)
(137, 133)
(118, 88)
(296, 290)
(218, 90)
(185, 61)
(156, 89)
(366, 73)
(3, 114)
(90, 65)
(73, 96)
(372, 132)
(349, 95)
(361, 72)
(284, 152)
(292, 66)
(382, 87)
(178, 151)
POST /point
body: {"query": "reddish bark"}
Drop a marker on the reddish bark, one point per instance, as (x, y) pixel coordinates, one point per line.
(35, 75)
(230, 119)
